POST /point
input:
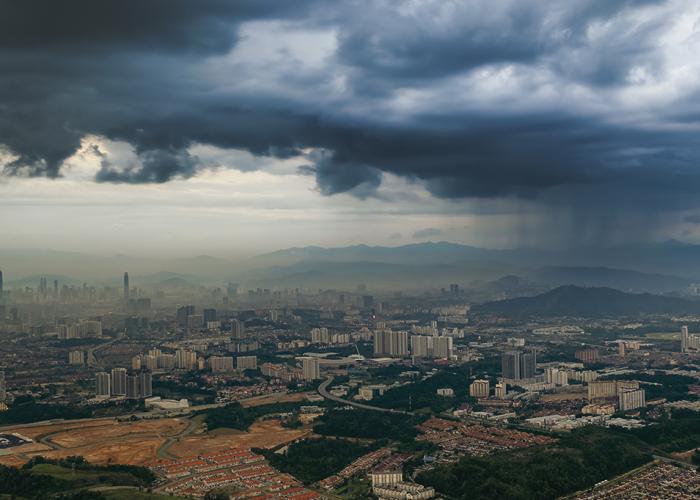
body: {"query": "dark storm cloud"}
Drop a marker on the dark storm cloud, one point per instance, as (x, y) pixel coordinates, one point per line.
(203, 26)
(133, 71)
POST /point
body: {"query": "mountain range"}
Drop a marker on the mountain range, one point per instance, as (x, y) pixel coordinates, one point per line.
(652, 267)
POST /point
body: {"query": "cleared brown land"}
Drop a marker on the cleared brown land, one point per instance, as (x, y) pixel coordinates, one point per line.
(137, 443)
(262, 434)
(99, 441)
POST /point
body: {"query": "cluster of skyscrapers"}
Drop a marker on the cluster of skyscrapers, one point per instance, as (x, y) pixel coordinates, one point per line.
(120, 382)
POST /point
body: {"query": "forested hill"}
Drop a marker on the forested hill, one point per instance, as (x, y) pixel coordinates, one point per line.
(588, 302)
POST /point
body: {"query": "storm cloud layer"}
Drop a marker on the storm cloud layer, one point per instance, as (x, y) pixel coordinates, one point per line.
(588, 104)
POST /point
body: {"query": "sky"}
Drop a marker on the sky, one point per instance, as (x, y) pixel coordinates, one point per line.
(223, 128)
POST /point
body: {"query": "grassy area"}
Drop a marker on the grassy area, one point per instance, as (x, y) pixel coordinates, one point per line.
(59, 472)
(662, 336)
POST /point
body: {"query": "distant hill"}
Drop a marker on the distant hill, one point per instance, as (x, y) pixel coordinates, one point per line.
(587, 302)
(419, 253)
(622, 279)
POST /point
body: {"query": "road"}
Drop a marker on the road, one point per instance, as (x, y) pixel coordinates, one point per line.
(323, 392)
(164, 449)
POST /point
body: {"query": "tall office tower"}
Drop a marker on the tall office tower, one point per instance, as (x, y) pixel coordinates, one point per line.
(195, 322)
(133, 386)
(126, 285)
(454, 289)
(183, 313)
(1, 282)
(684, 338)
(102, 384)
(479, 389)
(310, 368)
(209, 315)
(55, 288)
(119, 381)
(510, 365)
(246, 363)
(146, 383)
(237, 329)
(3, 387)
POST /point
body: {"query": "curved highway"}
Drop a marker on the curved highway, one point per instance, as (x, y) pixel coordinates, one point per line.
(323, 392)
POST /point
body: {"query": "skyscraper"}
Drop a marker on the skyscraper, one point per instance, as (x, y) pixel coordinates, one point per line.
(516, 365)
(126, 285)
(1, 285)
(510, 365)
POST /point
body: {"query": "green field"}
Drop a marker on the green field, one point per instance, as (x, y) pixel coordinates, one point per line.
(662, 336)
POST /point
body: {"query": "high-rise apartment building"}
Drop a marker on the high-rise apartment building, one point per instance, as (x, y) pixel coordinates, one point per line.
(391, 343)
(588, 356)
(133, 386)
(479, 389)
(102, 384)
(185, 360)
(501, 390)
(76, 358)
(442, 347)
(149, 361)
(146, 383)
(246, 363)
(609, 388)
(220, 364)
(630, 399)
(119, 381)
(310, 368)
